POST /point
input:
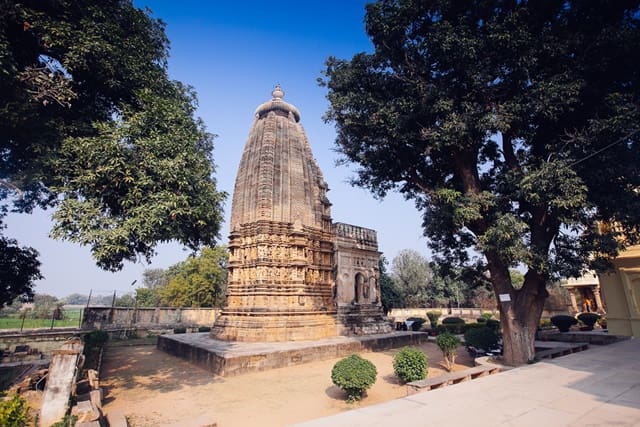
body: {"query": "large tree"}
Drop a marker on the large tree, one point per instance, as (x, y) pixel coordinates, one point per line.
(199, 281)
(413, 276)
(514, 127)
(92, 126)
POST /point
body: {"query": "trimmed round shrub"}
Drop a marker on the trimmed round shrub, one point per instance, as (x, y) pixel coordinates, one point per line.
(433, 317)
(448, 343)
(354, 375)
(453, 325)
(481, 320)
(494, 324)
(417, 322)
(204, 329)
(563, 322)
(487, 315)
(589, 319)
(410, 364)
(483, 338)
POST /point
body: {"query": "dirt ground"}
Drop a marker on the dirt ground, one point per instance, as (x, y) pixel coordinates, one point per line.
(152, 388)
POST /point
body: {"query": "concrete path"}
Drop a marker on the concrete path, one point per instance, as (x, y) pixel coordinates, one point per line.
(597, 387)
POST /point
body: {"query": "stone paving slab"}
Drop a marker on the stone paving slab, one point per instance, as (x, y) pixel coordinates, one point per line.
(596, 387)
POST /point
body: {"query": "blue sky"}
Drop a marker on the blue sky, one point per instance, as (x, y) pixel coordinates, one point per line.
(233, 53)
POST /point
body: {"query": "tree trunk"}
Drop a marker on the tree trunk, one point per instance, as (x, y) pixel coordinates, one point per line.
(519, 321)
(520, 315)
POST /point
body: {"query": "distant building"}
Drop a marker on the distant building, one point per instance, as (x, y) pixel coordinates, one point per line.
(585, 294)
(621, 289)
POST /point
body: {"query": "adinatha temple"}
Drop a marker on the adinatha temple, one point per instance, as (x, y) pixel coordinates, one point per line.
(295, 276)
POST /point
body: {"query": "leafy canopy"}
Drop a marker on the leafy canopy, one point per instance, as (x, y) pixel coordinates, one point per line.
(91, 125)
(513, 125)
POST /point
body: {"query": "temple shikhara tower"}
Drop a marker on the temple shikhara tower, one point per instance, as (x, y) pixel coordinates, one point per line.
(293, 273)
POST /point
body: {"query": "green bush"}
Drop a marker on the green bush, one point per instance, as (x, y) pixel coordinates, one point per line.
(204, 329)
(486, 315)
(410, 364)
(545, 324)
(94, 341)
(448, 343)
(96, 338)
(417, 323)
(481, 320)
(433, 317)
(455, 328)
(14, 412)
(563, 322)
(483, 338)
(589, 319)
(354, 375)
(494, 324)
(453, 325)
(180, 330)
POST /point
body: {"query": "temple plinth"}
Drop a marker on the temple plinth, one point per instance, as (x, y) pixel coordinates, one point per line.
(281, 240)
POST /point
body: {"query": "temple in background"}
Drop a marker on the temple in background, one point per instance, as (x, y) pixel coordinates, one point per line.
(294, 274)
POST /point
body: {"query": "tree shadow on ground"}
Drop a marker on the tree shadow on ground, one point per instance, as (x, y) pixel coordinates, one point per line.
(148, 368)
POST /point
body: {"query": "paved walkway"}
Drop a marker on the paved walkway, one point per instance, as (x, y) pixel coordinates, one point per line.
(597, 387)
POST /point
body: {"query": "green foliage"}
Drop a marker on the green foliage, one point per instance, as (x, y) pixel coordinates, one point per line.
(448, 344)
(204, 329)
(47, 306)
(517, 278)
(486, 316)
(563, 322)
(483, 338)
(545, 324)
(125, 300)
(354, 375)
(452, 324)
(491, 117)
(494, 324)
(412, 274)
(390, 295)
(94, 342)
(19, 268)
(146, 297)
(14, 412)
(92, 125)
(481, 320)
(68, 421)
(410, 364)
(433, 317)
(200, 281)
(589, 319)
(417, 323)
(180, 330)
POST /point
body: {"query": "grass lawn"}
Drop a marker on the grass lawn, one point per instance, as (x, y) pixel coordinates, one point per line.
(72, 318)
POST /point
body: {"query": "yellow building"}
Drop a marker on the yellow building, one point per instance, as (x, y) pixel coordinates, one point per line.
(621, 290)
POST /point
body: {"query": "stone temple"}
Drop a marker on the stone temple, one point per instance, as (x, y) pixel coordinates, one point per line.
(294, 274)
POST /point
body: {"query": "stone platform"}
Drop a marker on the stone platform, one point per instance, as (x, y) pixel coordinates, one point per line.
(226, 358)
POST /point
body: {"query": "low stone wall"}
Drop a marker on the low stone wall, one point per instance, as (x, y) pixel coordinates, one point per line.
(147, 317)
(470, 314)
(42, 341)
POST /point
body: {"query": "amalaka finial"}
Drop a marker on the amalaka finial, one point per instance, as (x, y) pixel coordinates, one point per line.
(277, 92)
